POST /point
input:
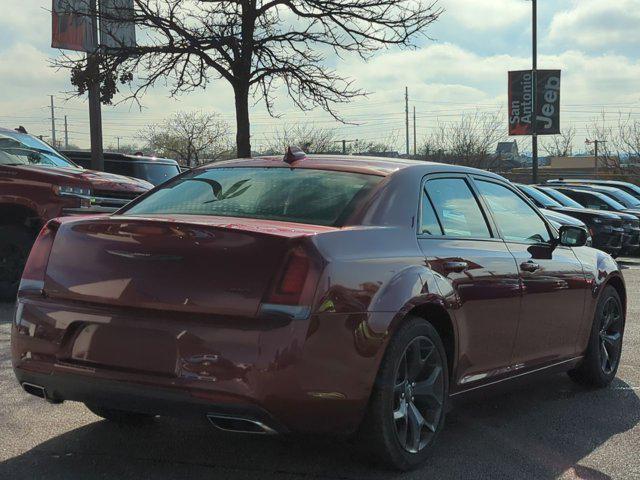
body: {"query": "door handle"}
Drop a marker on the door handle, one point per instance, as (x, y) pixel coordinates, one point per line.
(456, 267)
(529, 266)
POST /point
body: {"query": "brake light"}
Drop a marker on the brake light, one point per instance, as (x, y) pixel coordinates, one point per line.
(36, 266)
(295, 285)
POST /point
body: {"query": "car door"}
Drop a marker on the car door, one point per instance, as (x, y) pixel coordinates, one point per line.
(554, 284)
(476, 274)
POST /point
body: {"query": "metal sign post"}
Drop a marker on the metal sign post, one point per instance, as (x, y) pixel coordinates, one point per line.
(534, 71)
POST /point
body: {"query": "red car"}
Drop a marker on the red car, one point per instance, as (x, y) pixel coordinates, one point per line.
(37, 183)
(314, 294)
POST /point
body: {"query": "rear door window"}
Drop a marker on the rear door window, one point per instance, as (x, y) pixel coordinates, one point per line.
(456, 208)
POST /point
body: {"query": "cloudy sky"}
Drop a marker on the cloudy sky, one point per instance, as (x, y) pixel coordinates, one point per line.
(462, 69)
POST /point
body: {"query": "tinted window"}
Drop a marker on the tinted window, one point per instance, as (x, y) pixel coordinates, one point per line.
(457, 208)
(561, 198)
(156, 173)
(517, 221)
(538, 197)
(295, 195)
(429, 223)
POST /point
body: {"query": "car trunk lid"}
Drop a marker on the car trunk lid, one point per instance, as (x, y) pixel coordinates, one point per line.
(211, 265)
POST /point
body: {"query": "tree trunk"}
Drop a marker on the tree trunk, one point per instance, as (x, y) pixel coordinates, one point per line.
(243, 135)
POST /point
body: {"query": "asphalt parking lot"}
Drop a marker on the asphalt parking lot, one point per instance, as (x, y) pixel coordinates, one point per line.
(551, 429)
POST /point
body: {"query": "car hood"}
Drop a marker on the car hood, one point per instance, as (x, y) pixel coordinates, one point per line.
(99, 181)
(587, 211)
(561, 218)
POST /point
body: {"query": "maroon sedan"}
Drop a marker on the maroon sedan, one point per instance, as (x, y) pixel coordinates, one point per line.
(314, 294)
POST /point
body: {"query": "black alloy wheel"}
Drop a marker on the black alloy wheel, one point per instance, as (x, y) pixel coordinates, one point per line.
(408, 402)
(611, 323)
(418, 395)
(602, 357)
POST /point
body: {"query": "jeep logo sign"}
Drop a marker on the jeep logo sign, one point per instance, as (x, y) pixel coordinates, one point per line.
(547, 110)
(548, 101)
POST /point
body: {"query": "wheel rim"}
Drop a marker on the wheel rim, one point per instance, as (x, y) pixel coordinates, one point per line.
(12, 261)
(610, 335)
(418, 394)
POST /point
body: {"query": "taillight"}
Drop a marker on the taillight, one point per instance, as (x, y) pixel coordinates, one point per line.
(36, 266)
(295, 285)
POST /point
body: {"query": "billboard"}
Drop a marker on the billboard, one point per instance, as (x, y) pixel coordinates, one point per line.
(117, 26)
(544, 119)
(72, 25)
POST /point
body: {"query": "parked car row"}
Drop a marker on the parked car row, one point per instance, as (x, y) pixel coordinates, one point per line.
(610, 210)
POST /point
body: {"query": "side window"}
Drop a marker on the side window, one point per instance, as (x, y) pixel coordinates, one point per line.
(429, 224)
(517, 221)
(457, 208)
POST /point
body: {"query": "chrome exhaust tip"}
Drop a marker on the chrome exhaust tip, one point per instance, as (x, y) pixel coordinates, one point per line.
(228, 423)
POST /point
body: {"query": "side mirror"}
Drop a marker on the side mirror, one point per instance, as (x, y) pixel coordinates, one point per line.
(573, 236)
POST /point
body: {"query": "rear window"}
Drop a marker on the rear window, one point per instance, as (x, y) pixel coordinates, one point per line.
(314, 197)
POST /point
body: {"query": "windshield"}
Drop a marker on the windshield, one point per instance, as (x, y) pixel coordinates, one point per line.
(561, 198)
(539, 197)
(308, 196)
(22, 149)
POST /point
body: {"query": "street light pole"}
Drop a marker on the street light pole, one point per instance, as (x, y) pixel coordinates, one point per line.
(95, 106)
(534, 136)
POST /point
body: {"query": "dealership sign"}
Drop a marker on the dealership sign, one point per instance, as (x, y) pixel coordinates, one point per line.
(117, 26)
(73, 25)
(544, 119)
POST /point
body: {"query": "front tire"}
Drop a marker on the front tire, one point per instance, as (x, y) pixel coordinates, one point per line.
(601, 362)
(120, 416)
(407, 407)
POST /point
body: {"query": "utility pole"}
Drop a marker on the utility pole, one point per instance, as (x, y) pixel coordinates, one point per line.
(344, 145)
(534, 137)
(596, 144)
(95, 107)
(66, 133)
(118, 142)
(53, 123)
(415, 136)
(406, 111)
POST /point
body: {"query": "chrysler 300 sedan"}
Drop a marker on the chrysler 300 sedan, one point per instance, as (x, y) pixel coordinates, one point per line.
(342, 295)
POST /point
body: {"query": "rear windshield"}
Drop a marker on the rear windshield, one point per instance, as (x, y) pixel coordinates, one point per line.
(314, 197)
(155, 173)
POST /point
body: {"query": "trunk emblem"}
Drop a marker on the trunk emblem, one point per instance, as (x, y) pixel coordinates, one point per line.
(145, 256)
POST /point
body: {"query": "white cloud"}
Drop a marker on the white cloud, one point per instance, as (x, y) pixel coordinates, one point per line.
(597, 24)
(485, 15)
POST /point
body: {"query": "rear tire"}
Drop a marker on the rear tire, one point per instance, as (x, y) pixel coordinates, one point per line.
(407, 407)
(120, 416)
(602, 359)
(15, 245)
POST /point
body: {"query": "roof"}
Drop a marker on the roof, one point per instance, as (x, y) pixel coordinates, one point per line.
(382, 166)
(116, 156)
(507, 148)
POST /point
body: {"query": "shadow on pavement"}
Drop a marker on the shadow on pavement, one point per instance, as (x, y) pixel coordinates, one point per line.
(539, 431)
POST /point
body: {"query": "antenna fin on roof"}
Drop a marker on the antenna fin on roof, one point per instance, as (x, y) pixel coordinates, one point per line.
(294, 154)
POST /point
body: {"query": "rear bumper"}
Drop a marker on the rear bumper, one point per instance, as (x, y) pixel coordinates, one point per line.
(140, 398)
(312, 375)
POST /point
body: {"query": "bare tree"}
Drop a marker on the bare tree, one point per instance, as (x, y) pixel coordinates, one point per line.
(609, 142)
(560, 145)
(470, 141)
(629, 135)
(257, 46)
(190, 137)
(309, 138)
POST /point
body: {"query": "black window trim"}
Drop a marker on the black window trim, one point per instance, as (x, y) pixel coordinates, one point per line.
(460, 176)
